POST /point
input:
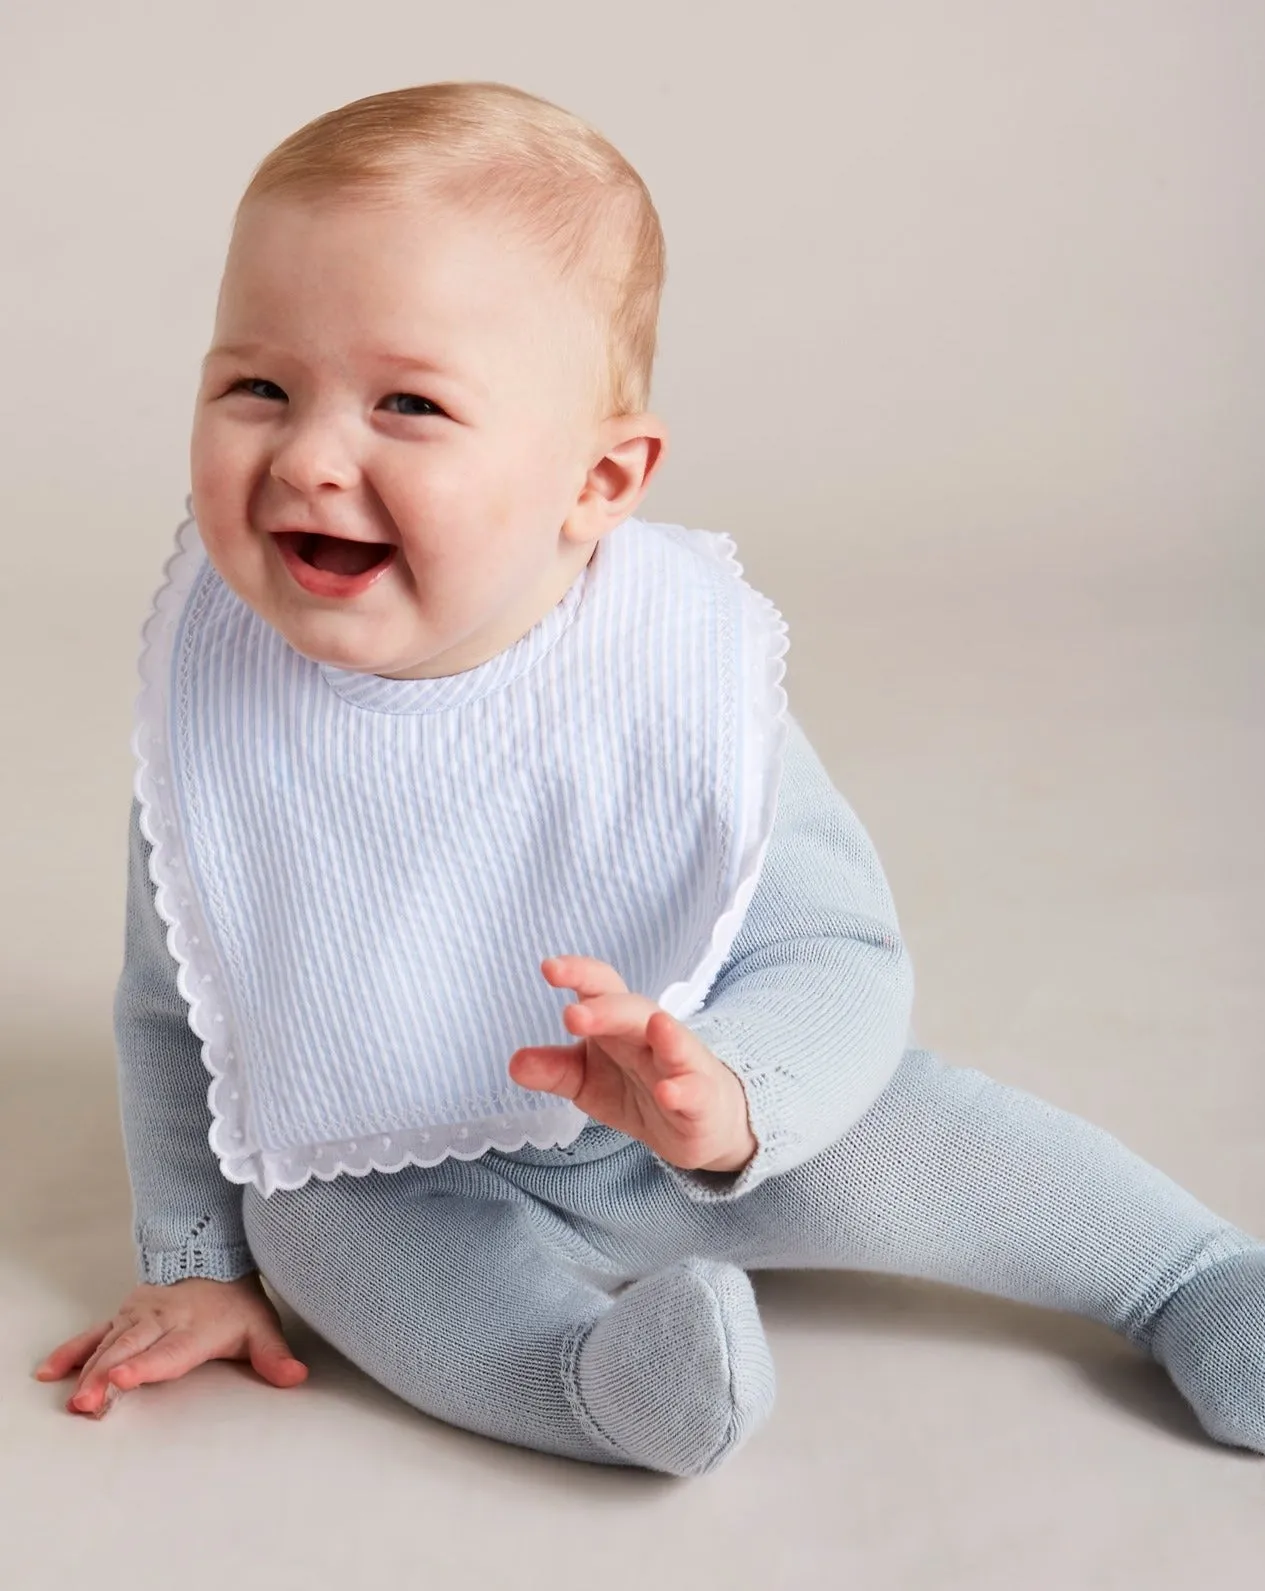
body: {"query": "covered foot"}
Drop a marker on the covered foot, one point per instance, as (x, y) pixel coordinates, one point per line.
(1210, 1337)
(677, 1373)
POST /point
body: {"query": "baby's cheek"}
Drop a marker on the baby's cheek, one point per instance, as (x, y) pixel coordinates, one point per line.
(429, 500)
(456, 519)
(219, 464)
(222, 508)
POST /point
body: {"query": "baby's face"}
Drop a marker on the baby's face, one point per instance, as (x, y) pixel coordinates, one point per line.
(420, 386)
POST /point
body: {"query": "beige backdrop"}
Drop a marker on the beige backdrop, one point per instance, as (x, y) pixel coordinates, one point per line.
(964, 342)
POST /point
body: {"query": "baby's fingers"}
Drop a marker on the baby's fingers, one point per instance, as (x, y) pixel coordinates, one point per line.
(549, 1068)
(633, 1019)
(71, 1354)
(272, 1359)
(90, 1394)
(172, 1356)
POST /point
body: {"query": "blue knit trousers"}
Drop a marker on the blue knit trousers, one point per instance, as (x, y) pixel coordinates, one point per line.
(579, 1302)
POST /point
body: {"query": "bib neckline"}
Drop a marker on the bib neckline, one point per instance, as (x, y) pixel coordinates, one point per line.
(377, 694)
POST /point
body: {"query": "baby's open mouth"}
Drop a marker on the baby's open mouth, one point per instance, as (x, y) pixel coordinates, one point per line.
(336, 554)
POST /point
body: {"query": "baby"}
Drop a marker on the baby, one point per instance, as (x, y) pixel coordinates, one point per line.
(423, 701)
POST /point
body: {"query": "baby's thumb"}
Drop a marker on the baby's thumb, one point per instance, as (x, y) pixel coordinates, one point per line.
(271, 1359)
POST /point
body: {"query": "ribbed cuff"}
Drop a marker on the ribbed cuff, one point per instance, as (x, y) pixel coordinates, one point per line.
(778, 1144)
(162, 1267)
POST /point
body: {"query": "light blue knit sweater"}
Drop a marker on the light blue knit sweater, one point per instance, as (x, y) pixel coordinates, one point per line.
(811, 1009)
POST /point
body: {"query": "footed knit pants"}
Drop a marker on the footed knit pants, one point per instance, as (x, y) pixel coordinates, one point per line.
(579, 1302)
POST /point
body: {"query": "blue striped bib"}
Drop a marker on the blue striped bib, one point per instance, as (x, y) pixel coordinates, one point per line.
(360, 875)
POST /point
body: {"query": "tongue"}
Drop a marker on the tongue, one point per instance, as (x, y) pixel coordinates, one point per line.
(343, 557)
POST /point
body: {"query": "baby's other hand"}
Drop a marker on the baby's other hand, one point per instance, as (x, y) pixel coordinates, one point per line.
(161, 1333)
(640, 1071)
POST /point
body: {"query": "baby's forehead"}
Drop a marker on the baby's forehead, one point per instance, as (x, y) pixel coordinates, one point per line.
(415, 245)
(462, 278)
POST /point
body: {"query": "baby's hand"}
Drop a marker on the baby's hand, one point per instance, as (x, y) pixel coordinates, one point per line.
(161, 1333)
(641, 1071)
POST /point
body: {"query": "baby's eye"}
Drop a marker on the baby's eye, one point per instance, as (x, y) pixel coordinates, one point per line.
(412, 397)
(247, 382)
(254, 381)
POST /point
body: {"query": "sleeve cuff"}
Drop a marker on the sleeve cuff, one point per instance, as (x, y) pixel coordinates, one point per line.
(163, 1267)
(778, 1145)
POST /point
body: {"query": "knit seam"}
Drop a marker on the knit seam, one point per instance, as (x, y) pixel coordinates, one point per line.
(572, 1345)
(1143, 1320)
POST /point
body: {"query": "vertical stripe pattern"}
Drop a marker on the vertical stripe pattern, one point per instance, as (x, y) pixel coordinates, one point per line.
(375, 868)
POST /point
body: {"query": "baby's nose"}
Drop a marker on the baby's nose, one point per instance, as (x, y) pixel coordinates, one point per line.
(314, 455)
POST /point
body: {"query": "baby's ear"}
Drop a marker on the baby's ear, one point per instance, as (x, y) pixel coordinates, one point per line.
(634, 446)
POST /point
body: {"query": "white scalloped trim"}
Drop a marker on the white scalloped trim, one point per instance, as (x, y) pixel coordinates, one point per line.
(199, 976)
(767, 635)
(187, 937)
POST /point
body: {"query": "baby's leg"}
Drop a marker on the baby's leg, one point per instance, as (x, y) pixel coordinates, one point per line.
(444, 1286)
(956, 1178)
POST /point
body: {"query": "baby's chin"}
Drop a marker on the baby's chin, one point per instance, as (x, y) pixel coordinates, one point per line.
(334, 641)
(369, 657)
(351, 661)
(373, 638)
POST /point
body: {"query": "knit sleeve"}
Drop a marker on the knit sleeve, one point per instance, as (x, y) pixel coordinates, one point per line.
(187, 1216)
(812, 1008)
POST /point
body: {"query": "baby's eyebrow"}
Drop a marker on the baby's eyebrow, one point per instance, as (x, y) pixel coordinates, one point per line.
(233, 351)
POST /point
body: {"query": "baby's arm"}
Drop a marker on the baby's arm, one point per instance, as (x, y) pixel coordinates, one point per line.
(198, 1298)
(187, 1216)
(812, 1007)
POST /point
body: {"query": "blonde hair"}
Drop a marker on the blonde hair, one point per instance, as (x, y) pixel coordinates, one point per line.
(489, 146)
